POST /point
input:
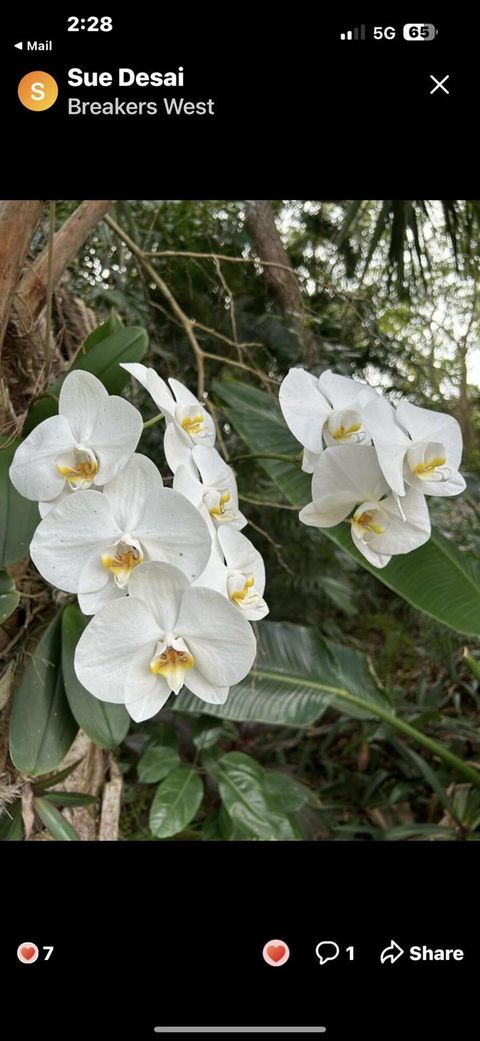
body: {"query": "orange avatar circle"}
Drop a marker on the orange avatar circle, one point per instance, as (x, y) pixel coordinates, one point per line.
(38, 91)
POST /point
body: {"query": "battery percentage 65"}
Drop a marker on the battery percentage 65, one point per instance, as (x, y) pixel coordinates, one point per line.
(419, 31)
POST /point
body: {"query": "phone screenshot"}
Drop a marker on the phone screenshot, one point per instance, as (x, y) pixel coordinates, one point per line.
(239, 541)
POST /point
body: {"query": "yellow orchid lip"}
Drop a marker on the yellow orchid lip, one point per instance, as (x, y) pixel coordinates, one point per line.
(221, 508)
(172, 663)
(122, 558)
(79, 467)
(427, 469)
(241, 591)
(193, 424)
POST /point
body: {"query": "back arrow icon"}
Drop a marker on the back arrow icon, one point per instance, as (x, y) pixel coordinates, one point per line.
(392, 953)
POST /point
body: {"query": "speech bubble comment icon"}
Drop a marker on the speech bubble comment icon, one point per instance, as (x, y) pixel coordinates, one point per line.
(327, 950)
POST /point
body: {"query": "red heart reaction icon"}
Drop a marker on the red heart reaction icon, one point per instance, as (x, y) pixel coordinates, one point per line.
(276, 953)
(27, 953)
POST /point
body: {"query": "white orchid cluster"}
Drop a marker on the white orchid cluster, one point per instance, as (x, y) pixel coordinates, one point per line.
(372, 464)
(171, 581)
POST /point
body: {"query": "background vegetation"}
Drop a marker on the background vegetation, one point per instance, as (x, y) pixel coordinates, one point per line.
(381, 290)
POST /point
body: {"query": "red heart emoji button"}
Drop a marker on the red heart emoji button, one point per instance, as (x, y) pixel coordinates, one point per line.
(27, 952)
(276, 952)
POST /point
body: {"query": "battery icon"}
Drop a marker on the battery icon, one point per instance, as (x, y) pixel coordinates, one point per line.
(419, 31)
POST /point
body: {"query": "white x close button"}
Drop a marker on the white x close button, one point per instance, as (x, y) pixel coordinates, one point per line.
(439, 84)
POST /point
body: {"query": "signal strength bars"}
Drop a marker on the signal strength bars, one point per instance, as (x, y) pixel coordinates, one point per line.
(354, 34)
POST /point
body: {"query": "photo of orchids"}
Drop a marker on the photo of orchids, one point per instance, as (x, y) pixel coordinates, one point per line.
(240, 581)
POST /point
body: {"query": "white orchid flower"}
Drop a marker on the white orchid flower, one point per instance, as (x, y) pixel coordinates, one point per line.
(236, 570)
(349, 479)
(164, 635)
(88, 443)
(188, 422)
(417, 447)
(213, 491)
(324, 410)
(92, 543)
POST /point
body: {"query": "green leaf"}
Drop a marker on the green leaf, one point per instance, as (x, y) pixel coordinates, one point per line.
(70, 798)
(176, 802)
(11, 823)
(54, 821)
(18, 516)
(55, 778)
(285, 791)
(211, 830)
(157, 762)
(9, 596)
(42, 727)
(41, 409)
(102, 354)
(296, 676)
(437, 578)
(107, 725)
(241, 783)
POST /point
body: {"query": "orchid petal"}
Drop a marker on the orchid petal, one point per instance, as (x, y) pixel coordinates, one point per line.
(82, 397)
(120, 635)
(146, 693)
(129, 492)
(171, 529)
(33, 471)
(204, 689)
(70, 535)
(153, 383)
(115, 436)
(390, 441)
(304, 407)
(221, 641)
(159, 587)
(365, 548)
(423, 424)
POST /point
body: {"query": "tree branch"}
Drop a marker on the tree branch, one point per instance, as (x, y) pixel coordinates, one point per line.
(278, 274)
(18, 220)
(31, 295)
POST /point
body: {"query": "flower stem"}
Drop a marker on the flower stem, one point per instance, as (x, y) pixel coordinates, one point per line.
(470, 773)
(151, 422)
(264, 455)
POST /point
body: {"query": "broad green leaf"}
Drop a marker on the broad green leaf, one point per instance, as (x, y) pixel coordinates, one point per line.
(43, 408)
(11, 823)
(42, 727)
(285, 791)
(54, 821)
(211, 830)
(18, 516)
(176, 802)
(206, 733)
(102, 356)
(157, 762)
(437, 578)
(107, 725)
(241, 783)
(70, 798)
(296, 676)
(55, 778)
(112, 325)
(103, 350)
(9, 596)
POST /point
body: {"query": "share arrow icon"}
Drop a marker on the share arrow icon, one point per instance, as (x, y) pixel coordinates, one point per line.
(392, 953)
(19, 46)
